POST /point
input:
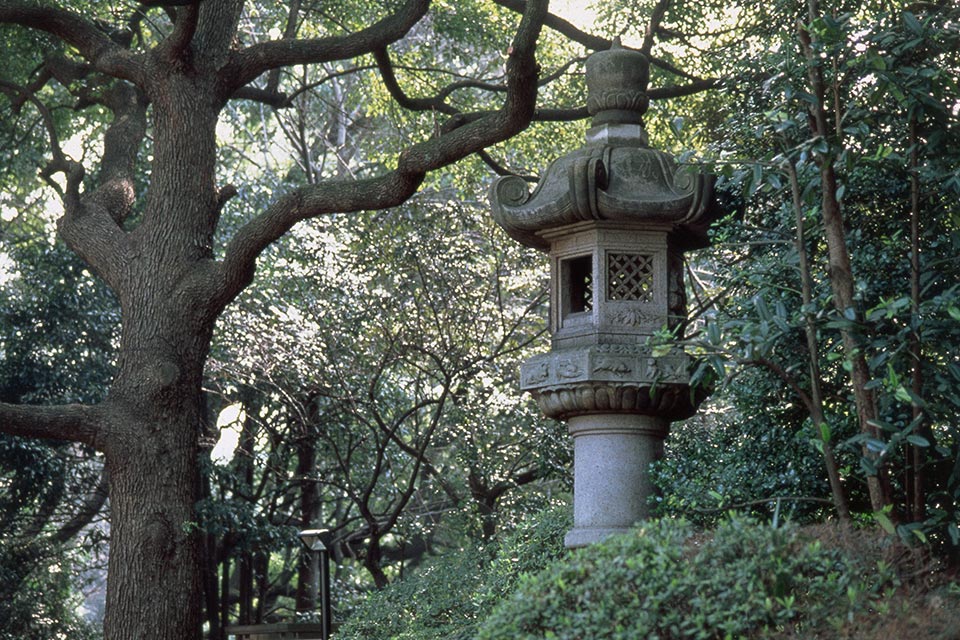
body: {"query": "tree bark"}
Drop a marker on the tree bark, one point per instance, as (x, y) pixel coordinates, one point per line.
(810, 331)
(154, 579)
(308, 576)
(916, 456)
(841, 273)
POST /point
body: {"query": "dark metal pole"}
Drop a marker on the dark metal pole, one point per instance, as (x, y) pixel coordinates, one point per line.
(325, 594)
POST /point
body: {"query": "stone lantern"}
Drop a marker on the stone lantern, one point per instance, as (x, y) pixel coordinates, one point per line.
(615, 217)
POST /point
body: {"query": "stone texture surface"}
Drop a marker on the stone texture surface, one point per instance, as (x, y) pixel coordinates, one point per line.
(612, 453)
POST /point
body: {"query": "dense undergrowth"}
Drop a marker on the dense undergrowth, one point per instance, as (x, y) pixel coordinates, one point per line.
(667, 579)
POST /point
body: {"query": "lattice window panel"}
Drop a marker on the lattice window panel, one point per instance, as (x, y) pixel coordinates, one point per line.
(630, 277)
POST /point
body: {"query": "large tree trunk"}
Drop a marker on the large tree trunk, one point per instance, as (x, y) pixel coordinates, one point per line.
(154, 547)
(152, 450)
(155, 406)
(161, 264)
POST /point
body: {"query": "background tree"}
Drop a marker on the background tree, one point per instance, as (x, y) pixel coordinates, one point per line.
(51, 494)
(390, 404)
(880, 177)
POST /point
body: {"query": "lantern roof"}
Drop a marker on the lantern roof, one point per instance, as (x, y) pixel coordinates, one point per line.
(615, 176)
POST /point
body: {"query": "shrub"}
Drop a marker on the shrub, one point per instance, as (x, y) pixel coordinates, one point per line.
(528, 549)
(445, 600)
(433, 604)
(664, 581)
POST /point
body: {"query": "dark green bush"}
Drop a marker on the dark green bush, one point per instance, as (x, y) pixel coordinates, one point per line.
(446, 599)
(433, 604)
(732, 459)
(528, 549)
(665, 581)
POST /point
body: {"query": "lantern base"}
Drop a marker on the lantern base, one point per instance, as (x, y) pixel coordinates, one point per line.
(611, 484)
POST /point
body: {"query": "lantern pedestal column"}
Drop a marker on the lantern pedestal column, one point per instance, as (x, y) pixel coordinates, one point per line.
(612, 456)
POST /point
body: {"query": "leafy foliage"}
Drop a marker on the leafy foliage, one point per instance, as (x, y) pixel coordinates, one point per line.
(665, 581)
(894, 152)
(447, 598)
(718, 462)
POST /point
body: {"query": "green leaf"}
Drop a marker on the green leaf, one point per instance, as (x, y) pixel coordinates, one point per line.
(912, 23)
(676, 125)
(713, 332)
(917, 441)
(761, 307)
(825, 432)
(884, 521)
(902, 394)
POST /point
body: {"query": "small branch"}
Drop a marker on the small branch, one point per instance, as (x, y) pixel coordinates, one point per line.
(678, 91)
(393, 86)
(653, 27)
(274, 99)
(88, 510)
(781, 373)
(501, 170)
(60, 163)
(289, 33)
(560, 115)
(594, 43)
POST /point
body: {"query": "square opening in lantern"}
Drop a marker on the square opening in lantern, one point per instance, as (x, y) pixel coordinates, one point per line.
(576, 285)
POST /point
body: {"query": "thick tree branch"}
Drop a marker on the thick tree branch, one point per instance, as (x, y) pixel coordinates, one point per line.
(72, 422)
(594, 43)
(216, 31)
(174, 48)
(394, 188)
(121, 146)
(253, 61)
(393, 86)
(91, 224)
(92, 43)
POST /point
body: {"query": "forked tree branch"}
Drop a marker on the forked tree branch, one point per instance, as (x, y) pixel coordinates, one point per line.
(247, 64)
(592, 42)
(397, 186)
(92, 43)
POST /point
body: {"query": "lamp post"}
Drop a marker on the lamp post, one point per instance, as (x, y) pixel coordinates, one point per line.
(313, 539)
